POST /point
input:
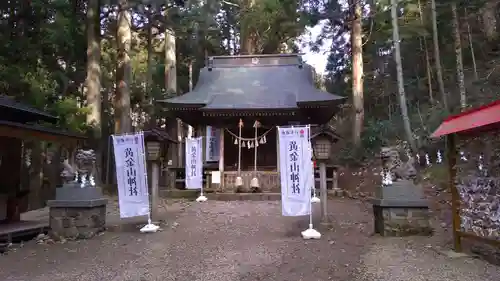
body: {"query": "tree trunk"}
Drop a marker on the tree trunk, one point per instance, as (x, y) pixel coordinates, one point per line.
(427, 60)
(399, 70)
(458, 54)
(170, 63)
(471, 47)
(488, 14)
(149, 75)
(437, 56)
(174, 125)
(357, 72)
(123, 123)
(93, 83)
(248, 38)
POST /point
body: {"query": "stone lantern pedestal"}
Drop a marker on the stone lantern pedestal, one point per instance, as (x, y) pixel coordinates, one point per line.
(78, 211)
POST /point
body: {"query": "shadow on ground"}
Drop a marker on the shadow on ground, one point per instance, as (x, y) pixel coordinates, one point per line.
(245, 241)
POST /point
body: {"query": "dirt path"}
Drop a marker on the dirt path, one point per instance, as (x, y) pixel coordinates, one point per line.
(240, 241)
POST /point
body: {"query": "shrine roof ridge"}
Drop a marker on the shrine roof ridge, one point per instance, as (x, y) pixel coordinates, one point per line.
(278, 86)
(254, 61)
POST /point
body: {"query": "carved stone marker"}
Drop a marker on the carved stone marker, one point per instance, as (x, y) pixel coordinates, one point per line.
(79, 209)
(399, 206)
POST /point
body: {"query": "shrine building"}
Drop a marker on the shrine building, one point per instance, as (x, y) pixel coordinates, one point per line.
(258, 93)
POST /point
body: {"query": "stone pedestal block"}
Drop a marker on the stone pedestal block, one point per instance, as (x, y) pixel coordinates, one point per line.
(76, 222)
(77, 213)
(402, 221)
(401, 210)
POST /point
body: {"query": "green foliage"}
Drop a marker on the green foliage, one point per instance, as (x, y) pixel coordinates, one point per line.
(383, 122)
(41, 59)
(70, 115)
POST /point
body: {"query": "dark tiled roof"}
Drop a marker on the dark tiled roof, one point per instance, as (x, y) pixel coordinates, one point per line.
(42, 129)
(231, 84)
(9, 103)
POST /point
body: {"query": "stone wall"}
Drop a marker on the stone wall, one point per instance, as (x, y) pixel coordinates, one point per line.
(77, 222)
(393, 221)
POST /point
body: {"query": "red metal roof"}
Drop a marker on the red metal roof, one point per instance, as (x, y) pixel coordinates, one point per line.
(476, 118)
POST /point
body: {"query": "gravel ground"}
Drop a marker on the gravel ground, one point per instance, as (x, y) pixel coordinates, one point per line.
(245, 241)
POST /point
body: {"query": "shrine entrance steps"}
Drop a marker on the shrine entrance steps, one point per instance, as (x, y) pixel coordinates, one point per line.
(224, 196)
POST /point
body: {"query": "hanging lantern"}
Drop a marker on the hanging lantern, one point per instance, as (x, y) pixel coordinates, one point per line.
(250, 144)
(264, 139)
(242, 144)
(256, 144)
(261, 140)
(235, 141)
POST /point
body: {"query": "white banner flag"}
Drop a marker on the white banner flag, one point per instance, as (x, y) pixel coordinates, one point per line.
(295, 171)
(133, 193)
(194, 164)
(212, 144)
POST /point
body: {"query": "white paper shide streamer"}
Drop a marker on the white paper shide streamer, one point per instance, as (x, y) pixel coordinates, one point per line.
(133, 194)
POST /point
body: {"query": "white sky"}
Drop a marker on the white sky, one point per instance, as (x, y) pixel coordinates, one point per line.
(317, 60)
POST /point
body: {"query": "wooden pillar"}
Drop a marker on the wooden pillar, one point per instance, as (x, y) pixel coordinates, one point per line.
(221, 159)
(203, 134)
(335, 179)
(180, 145)
(324, 192)
(155, 181)
(455, 197)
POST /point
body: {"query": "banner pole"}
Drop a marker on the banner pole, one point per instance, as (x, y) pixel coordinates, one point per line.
(201, 198)
(310, 233)
(150, 227)
(315, 198)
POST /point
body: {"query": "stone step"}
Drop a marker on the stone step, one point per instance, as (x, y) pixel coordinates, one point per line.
(244, 196)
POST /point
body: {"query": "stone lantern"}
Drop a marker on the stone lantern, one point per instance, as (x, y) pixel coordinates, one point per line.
(322, 148)
(153, 149)
(156, 142)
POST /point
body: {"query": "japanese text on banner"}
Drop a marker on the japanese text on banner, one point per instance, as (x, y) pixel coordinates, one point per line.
(193, 170)
(212, 144)
(293, 168)
(130, 165)
(294, 161)
(130, 175)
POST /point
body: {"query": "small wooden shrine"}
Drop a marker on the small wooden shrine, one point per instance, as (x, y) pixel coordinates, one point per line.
(17, 125)
(242, 99)
(473, 156)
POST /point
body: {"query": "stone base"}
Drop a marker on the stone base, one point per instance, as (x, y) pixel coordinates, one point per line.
(269, 181)
(77, 221)
(402, 221)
